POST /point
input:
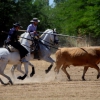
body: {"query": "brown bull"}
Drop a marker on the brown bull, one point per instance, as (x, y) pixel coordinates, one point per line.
(85, 56)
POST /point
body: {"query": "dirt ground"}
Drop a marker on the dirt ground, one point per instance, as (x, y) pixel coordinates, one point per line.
(46, 87)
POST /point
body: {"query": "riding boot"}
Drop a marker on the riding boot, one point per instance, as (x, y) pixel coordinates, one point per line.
(36, 55)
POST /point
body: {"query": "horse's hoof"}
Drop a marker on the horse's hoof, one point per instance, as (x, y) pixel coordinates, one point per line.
(49, 68)
(10, 82)
(6, 83)
(22, 77)
(19, 77)
(32, 74)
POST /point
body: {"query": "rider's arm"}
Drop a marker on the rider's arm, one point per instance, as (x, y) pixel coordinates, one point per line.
(31, 30)
(12, 36)
(9, 36)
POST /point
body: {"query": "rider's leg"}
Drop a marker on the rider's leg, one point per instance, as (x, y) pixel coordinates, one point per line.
(37, 52)
(23, 52)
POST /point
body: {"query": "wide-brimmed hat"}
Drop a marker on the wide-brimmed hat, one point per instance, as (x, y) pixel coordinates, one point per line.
(35, 20)
(17, 24)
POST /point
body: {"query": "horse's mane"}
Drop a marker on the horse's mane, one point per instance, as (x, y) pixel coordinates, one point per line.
(46, 31)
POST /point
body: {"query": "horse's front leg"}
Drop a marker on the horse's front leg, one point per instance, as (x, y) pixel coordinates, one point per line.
(49, 59)
(13, 69)
(2, 68)
(49, 68)
(33, 70)
(18, 68)
(26, 72)
(10, 81)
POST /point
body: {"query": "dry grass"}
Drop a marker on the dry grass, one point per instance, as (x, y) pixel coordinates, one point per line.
(45, 87)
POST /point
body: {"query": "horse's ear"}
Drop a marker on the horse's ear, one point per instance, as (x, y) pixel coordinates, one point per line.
(54, 30)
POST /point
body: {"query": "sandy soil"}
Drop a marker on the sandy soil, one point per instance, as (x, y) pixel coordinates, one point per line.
(45, 87)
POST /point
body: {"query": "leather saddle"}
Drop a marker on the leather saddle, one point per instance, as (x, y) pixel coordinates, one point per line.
(10, 48)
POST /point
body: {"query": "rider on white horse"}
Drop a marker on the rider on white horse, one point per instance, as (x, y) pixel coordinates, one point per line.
(12, 40)
(31, 29)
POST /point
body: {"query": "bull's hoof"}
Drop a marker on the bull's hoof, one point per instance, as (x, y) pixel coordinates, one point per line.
(83, 78)
(69, 77)
(98, 76)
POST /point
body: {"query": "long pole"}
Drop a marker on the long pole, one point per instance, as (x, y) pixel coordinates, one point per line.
(55, 34)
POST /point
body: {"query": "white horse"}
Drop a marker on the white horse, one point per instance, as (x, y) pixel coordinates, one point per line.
(47, 40)
(7, 57)
(26, 40)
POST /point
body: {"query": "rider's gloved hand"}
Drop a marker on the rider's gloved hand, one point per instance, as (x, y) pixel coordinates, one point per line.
(35, 32)
(36, 37)
(38, 32)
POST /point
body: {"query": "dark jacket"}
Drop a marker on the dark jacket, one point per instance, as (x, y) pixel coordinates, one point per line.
(12, 35)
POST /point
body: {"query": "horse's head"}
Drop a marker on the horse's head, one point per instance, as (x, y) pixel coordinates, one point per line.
(55, 36)
(50, 35)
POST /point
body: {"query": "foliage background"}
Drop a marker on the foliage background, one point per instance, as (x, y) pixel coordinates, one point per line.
(71, 17)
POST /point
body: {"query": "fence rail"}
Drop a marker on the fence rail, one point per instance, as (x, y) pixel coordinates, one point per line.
(67, 40)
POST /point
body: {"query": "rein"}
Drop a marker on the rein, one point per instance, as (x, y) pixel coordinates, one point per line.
(41, 43)
(26, 38)
(46, 41)
(26, 45)
(48, 45)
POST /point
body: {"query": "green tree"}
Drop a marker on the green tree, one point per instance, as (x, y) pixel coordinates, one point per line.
(91, 18)
(7, 13)
(78, 17)
(59, 1)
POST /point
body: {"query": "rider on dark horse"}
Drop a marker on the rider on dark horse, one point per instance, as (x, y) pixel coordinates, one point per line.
(12, 40)
(31, 29)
